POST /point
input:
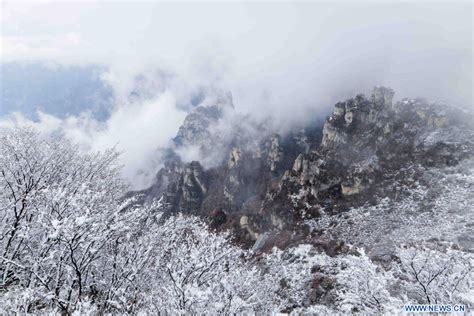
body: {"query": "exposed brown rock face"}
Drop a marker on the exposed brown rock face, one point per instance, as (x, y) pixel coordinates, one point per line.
(269, 183)
(366, 143)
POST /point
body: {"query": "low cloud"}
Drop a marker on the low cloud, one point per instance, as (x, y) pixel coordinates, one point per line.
(138, 130)
(288, 61)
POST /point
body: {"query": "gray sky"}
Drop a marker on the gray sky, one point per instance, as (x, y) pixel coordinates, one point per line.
(293, 60)
(261, 50)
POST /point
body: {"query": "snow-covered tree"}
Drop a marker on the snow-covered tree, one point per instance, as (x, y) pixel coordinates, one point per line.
(347, 283)
(72, 242)
(59, 212)
(200, 271)
(436, 274)
(362, 285)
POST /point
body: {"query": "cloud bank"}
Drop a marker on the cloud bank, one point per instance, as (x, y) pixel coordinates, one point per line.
(138, 130)
(289, 60)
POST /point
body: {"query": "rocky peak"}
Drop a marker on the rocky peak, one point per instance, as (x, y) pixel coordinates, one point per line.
(356, 116)
(274, 152)
(367, 144)
(195, 129)
(187, 192)
(382, 97)
(234, 157)
(266, 184)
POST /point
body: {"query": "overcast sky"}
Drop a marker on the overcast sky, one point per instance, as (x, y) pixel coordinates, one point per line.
(279, 50)
(274, 57)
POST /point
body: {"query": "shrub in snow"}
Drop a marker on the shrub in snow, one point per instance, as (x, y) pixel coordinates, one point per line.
(71, 243)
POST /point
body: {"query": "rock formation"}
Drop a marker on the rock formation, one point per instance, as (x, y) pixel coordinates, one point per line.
(265, 186)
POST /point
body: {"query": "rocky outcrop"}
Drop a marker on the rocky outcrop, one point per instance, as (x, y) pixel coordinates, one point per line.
(267, 184)
(195, 130)
(188, 191)
(368, 145)
(274, 152)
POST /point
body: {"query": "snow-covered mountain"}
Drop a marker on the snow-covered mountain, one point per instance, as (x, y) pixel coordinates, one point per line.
(312, 184)
(365, 212)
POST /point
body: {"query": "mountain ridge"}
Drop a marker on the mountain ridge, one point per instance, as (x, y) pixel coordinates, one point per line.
(266, 185)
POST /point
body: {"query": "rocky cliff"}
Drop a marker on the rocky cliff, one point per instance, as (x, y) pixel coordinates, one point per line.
(266, 186)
